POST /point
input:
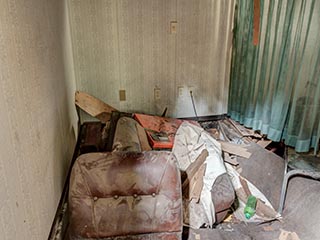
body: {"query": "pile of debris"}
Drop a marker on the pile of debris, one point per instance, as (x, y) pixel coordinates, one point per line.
(223, 165)
(207, 154)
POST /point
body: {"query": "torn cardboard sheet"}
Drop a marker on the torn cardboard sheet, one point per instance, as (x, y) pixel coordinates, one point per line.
(190, 141)
(243, 188)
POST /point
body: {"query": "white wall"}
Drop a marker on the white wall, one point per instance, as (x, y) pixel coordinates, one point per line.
(127, 45)
(36, 115)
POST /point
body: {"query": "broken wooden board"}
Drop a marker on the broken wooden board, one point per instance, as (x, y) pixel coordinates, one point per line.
(235, 149)
(142, 135)
(194, 167)
(243, 130)
(94, 106)
(245, 187)
(196, 184)
(241, 194)
(264, 210)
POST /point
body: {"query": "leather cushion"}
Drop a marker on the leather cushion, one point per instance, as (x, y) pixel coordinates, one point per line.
(124, 193)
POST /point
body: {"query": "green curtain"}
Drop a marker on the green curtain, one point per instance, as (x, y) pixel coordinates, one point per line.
(275, 86)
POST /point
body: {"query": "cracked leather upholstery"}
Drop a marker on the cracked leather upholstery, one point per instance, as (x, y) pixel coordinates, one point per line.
(125, 195)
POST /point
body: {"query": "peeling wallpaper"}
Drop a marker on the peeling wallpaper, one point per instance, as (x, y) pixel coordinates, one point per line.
(128, 45)
(37, 117)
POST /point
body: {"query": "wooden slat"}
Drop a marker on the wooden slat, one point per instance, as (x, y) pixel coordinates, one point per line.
(94, 106)
(245, 186)
(264, 210)
(145, 146)
(235, 149)
(196, 183)
(194, 167)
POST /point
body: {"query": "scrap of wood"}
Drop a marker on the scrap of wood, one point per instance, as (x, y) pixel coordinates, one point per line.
(232, 160)
(240, 128)
(143, 139)
(241, 194)
(194, 167)
(196, 184)
(222, 134)
(235, 149)
(264, 143)
(264, 210)
(93, 106)
(245, 187)
(243, 130)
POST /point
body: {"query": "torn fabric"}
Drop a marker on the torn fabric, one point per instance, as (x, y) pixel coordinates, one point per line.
(189, 142)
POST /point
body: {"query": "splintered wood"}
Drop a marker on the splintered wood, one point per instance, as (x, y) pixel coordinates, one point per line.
(245, 132)
(196, 183)
(94, 106)
(194, 167)
(195, 173)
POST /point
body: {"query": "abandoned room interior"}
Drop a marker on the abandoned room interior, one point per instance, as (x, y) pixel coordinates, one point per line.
(160, 119)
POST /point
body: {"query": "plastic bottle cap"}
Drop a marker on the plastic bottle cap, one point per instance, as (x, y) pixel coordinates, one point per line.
(248, 216)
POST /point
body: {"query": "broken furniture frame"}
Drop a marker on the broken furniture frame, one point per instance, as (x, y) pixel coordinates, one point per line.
(293, 173)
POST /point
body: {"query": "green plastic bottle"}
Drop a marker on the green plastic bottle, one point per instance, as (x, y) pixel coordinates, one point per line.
(250, 208)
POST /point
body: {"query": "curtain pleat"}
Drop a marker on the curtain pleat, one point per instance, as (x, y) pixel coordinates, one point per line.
(275, 86)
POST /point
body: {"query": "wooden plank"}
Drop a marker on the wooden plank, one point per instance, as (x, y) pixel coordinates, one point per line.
(194, 167)
(245, 187)
(196, 183)
(243, 130)
(264, 210)
(235, 149)
(94, 106)
(145, 146)
(241, 194)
